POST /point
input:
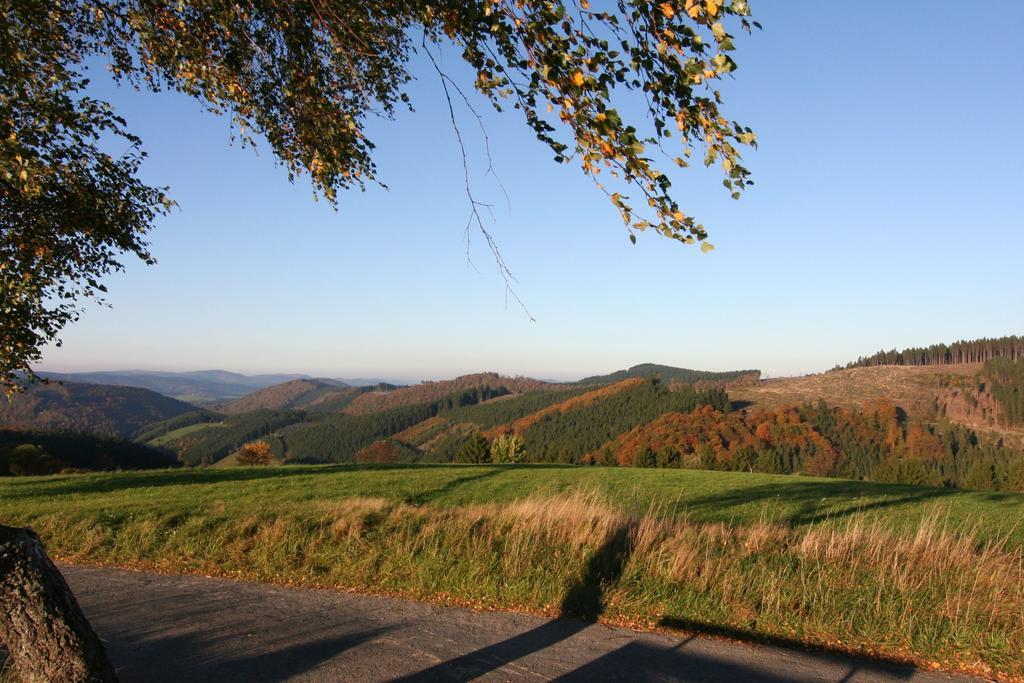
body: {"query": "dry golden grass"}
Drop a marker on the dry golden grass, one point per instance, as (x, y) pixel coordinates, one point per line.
(930, 596)
(912, 388)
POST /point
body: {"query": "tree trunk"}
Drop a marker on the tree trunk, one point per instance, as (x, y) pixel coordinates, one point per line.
(41, 624)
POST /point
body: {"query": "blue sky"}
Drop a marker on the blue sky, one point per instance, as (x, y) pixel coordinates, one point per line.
(887, 213)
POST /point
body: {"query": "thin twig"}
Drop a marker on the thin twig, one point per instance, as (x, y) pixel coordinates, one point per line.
(474, 205)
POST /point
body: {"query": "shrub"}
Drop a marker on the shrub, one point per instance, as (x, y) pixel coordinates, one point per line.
(508, 448)
(254, 453)
(28, 460)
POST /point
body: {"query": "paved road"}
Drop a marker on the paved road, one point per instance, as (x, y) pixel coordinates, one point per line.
(181, 628)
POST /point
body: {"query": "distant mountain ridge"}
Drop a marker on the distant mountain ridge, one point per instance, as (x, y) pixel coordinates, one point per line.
(668, 373)
(200, 387)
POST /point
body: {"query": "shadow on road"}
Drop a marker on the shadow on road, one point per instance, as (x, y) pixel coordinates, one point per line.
(582, 605)
(584, 602)
(642, 661)
(161, 629)
(194, 658)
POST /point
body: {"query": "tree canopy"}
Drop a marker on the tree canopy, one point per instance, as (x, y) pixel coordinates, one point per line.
(306, 76)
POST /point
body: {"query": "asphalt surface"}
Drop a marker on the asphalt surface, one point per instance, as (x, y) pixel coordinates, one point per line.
(185, 628)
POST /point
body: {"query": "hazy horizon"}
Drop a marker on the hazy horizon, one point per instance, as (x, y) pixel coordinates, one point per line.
(381, 375)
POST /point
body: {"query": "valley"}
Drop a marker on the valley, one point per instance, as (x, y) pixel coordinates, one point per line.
(870, 510)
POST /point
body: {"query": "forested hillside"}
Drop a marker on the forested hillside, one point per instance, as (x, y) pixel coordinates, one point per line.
(669, 374)
(550, 430)
(204, 443)
(875, 444)
(1003, 379)
(33, 453)
(96, 409)
(974, 351)
(567, 435)
(300, 435)
(938, 425)
(375, 401)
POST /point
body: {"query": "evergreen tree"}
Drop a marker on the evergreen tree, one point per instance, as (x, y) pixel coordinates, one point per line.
(477, 450)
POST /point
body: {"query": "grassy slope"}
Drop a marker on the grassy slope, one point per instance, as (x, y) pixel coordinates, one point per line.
(702, 496)
(847, 565)
(167, 438)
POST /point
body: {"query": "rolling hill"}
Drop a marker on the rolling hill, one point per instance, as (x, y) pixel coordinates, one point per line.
(670, 374)
(913, 388)
(298, 393)
(376, 401)
(101, 410)
(960, 394)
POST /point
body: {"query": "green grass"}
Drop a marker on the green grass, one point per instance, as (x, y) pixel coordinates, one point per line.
(921, 574)
(698, 495)
(203, 399)
(167, 438)
(230, 461)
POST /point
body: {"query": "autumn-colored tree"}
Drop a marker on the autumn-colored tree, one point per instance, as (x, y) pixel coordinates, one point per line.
(254, 453)
(383, 451)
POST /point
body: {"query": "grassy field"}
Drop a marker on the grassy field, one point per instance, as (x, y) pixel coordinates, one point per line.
(167, 438)
(926, 575)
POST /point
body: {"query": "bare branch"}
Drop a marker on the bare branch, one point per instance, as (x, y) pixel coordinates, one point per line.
(475, 218)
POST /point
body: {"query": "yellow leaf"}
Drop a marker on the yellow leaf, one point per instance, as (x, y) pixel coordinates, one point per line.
(706, 247)
(577, 78)
(678, 215)
(667, 10)
(712, 7)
